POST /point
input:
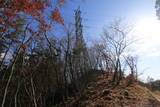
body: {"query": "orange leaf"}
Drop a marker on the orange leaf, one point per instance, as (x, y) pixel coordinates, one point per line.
(56, 16)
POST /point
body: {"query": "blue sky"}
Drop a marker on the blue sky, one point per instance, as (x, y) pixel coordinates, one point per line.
(141, 13)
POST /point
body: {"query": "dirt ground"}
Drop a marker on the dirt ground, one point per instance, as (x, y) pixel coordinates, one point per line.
(101, 93)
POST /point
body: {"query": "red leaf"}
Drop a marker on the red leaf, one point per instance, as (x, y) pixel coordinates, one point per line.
(56, 16)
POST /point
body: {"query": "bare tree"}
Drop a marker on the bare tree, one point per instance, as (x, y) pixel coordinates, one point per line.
(131, 62)
(116, 42)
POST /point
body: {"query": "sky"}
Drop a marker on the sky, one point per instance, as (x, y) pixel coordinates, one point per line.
(141, 13)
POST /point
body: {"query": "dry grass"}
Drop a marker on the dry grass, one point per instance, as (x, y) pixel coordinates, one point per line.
(101, 93)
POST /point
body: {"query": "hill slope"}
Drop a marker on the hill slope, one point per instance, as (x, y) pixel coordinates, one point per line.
(100, 93)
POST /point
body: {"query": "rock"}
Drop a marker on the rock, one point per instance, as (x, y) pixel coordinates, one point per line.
(107, 98)
(126, 93)
(105, 92)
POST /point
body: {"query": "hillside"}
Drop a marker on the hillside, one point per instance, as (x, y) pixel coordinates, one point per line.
(99, 93)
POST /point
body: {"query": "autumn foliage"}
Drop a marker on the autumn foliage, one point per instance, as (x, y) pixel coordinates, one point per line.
(56, 16)
(13, 10)
(39, 69)
(27, 6)
(22, 22)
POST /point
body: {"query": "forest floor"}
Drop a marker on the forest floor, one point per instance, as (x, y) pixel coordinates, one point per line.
(100, 92)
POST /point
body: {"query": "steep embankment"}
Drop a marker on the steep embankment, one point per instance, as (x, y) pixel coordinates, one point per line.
(100, 93)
